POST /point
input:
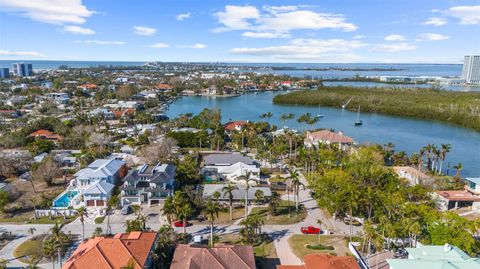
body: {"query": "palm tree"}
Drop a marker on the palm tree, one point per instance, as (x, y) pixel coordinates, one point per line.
(353, 196)
(259, 195)
(50, 249)
(111, 204)
(168, 209)
(296, 183)
(445, 149)
(184, 213)
(228, 190)
(82, 213)
(267, 115)
(216, 195)
(428, 150)
(211, 211)
(420, 158)
(459, 168)
(247, 187)
(319, 222)
(34, 203)
(273, 202)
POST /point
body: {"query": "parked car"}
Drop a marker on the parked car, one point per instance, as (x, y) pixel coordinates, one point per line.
(310, 230)
(179, 223)
(126, 209)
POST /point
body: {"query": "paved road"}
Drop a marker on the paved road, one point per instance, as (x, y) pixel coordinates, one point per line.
(280, 233)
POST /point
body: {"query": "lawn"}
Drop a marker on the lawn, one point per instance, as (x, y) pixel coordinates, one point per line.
(224, 214)
(53, 220)
(298, 244)
(282, 217)
(29, 248)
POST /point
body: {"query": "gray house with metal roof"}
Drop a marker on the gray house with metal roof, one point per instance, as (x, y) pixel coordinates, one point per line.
(148, 184)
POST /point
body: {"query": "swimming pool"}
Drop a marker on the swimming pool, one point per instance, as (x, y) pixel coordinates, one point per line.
(64, 199)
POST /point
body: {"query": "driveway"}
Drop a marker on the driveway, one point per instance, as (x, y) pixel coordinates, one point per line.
(280, 233)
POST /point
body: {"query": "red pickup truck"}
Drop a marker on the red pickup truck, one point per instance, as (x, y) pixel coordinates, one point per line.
(310, 230)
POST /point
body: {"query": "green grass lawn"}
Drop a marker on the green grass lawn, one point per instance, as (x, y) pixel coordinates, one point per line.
(29, 248)
(42, 220)
(282, 217)
(224, 214)
(299, 242)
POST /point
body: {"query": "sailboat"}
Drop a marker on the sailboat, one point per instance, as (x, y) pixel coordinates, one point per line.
(319, 115)
(358, 122)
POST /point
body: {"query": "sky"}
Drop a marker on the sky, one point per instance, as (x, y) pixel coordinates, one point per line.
(319, 31)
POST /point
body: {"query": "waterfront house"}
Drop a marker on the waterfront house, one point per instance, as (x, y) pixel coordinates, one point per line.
(238, 194)
(412, 175)
(148, 184)
(218, 257)
(120, 251)
(324, 261)
(447, 200)
(235, 126)
(473, 185)
(327, 137)
(229, 167)
(445, 256)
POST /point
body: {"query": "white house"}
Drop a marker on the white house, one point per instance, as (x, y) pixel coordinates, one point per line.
(92, 185)
(230, 167)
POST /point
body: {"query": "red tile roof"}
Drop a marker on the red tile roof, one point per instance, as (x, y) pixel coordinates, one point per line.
(231, 126)
(332, 137)
(113, 252)
(324, 261)
(462, 195)
(45, 134)
(162, 86)
(219, 257)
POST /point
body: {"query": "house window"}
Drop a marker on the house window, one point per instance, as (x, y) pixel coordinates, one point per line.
(471, 185)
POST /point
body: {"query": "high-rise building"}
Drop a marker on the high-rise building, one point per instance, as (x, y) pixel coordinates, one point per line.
(23, 69)
(471, 69)
(4, 72)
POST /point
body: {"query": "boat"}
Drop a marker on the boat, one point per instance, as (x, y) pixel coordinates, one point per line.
(319, 115)
(358, 122)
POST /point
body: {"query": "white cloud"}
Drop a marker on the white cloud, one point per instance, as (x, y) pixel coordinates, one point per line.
(144, 30)
(236, 17)
(29, 54)
(359, 37)
(265, 35)
(275, 9)
(195, 46)
(433, 37)
(100, 42)
(394, 37)
(49, 11)
(159, 45)
(183, 16)
(78, 30)
(277, 21)
(394, 47)
(435, 21)
(307, 49)
(468, 15)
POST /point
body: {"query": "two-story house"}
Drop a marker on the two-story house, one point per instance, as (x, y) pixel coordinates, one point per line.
(96, 181)
(466, 198)
(148, 184)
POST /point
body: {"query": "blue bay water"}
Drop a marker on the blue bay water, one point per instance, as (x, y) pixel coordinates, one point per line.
(407, 134)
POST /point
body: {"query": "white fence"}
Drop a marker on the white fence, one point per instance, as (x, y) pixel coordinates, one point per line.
(54, 212)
